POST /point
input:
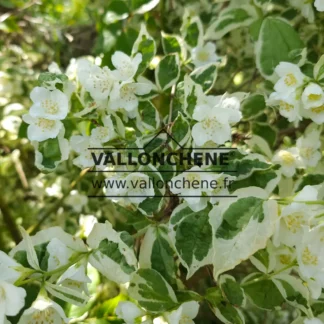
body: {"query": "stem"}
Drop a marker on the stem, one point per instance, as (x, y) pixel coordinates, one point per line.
(173, 90)
(44, 275)
(268, 276)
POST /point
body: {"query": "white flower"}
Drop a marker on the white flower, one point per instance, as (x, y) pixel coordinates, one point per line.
(135, 187)
(124, 95)
(126, 66)
(213, 125)
(203, 55)
(86, 223)
(12, 298)
(76, 200)
(313, 96)
(319, 5)
(48, 104)
(129, 312)
(289, 161)
(290, 226)
(310, 255)
(45, 311)
(105, 133)
(305, 7)
(81, 144)
(291, 78)
(41, 129)
(97, 81)
(313, 320)
(308, 147)
(313, 100)
(193, 183)
(184, 314)
(289, 106)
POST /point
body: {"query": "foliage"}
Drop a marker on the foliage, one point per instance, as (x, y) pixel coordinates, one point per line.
(84, 84)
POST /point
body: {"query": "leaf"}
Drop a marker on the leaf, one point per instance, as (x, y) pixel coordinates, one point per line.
(192, 91)
(156, 252)
(173, 44)
(142, 6)
(67, 294)
(264, 259)
(134, 217)
(232, 290)
(191, 235)
(192, 31)
(265, 131)
(294, 291)
(180, 131)
(148, 116)
(168, 71)
(152, 291)
(240, 229)
(310, 179)
(205, 76)
(267, 180)
(319, 69)
(31, 253)
(230, 19)
(253, 106)
(229, 314)
(276, 40)
(264, 294)
(112, 254)
(145, 45)
(51, 152)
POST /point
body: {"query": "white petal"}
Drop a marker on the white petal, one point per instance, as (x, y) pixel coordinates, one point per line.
(14, 298)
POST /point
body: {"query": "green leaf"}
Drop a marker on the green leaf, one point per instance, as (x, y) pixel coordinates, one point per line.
(319, 69)
(232, 290)
(192, 31)
(205, 76)
(264, 294)
(180, 131)
(192, 91)
(253, 106)
(112, 253)
(152, 291)
(238, 215)
(191, 235)
(142, 6)
(134, 217)
(230, 19)
(229, 314)
(168, 71)
(310, 180)
(265, 131)
(294, 291)
(48, 78)
(276, 40)
(264, 260)
(148, 116)
(157, 253)
(173, 44)
(145, 45)
(241, 229)
(50, 149)
(266, 180)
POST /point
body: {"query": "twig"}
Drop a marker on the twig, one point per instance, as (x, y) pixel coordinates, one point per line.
(9, 220)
